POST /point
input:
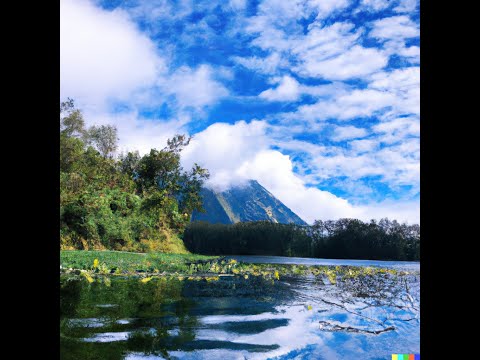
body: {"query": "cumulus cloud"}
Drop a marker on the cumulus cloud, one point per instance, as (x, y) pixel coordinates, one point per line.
(358, 103)
(395, 27)
(373, 5)
(325, 8)
(266, 65)
(361, 146)
(353, 63)
(238, 4)
(348, 132)
(406, 6)
(389, 94)
(195, 87)
(288, 89)
(222, 148)
(332, 52)
(103, 55)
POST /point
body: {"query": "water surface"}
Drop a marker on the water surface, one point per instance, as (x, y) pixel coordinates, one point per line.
(257, 259)
(236, 318)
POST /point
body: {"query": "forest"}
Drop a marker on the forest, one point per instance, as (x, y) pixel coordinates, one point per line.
(123, 202)
(340, 239)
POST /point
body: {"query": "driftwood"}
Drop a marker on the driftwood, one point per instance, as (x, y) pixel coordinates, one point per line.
(325, 325)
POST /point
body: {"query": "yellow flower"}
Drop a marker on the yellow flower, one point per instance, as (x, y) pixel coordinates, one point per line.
(145, 280)
(276, 275)
(309, 307)
(232, 261)
(95, 263)
(246, 276)
(181, 278)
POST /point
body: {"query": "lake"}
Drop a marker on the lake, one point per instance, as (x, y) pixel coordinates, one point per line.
(257, 259)
(297, 317)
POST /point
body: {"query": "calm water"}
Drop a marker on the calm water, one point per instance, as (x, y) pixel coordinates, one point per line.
(255, 259)
(237, 318)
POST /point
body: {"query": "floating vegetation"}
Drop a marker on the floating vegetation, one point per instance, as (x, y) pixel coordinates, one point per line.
(195, 268)
(87, 276)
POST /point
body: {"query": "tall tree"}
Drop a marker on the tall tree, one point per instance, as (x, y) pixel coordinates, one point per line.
(103, 138)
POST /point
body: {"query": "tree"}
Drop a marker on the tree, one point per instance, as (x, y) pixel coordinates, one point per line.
(71, 120)
(103, 138)
(128, 163)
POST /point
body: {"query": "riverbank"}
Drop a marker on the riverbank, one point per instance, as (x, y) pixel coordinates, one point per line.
(101, 264)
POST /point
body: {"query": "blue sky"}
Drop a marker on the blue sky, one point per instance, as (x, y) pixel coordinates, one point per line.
(318, 100)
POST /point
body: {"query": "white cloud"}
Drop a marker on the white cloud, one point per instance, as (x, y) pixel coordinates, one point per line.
(102, 54)
(402, 211)
(267, 65)
(326, 8)
(374, 5)
(406, 6)
(195, 88)
(222, 148)
(398, 47)
(238, 4)
(332, 52)
(288, 89)
(404, 85)
(395, 27)
(388, 95)
(361, 146)
(358, 103)
(354, 63)
(348, 132)
(398, 129)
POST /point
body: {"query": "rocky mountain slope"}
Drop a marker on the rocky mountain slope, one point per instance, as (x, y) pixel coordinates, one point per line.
(250, 202)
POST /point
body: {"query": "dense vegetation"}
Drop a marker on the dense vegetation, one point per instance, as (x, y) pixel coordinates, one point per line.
(341, 239)
(124, 202)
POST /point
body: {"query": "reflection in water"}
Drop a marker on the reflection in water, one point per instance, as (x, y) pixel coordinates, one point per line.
(234, 318)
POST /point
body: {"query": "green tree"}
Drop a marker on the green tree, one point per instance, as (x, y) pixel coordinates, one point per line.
(103, 138)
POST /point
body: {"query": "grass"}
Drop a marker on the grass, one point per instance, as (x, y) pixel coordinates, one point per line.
(127, 262)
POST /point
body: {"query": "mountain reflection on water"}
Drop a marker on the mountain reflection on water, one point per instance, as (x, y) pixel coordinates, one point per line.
(367, 317)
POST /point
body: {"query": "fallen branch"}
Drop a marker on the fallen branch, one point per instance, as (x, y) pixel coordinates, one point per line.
(325, 325)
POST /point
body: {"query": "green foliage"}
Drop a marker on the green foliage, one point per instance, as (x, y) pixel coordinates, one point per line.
(130, 203)
(104, 138)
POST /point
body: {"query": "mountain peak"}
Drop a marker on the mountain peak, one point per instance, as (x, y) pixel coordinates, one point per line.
(246, 202)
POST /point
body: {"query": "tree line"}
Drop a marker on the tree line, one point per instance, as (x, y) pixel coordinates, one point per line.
(124, 201)
(332, 239)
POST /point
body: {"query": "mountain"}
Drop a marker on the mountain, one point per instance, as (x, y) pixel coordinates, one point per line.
(250, 202)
